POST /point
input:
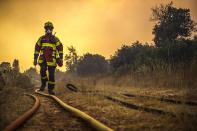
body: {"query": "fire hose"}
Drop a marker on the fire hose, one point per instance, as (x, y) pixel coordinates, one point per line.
(93, 122)
(19, 121)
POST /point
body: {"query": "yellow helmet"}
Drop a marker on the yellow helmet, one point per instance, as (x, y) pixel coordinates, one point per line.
(48, 24)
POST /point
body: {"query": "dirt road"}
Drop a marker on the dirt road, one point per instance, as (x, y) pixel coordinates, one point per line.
(52, 117)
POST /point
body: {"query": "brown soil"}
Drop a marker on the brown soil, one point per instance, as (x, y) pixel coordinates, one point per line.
(52, 117)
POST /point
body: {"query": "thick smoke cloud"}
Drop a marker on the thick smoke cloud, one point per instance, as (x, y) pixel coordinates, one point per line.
(95, 26)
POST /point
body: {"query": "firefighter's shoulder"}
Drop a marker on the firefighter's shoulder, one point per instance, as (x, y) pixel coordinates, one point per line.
(39, 40)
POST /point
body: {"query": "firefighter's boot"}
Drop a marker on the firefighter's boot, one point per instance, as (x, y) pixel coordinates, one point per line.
(44, 81)
(50, 89)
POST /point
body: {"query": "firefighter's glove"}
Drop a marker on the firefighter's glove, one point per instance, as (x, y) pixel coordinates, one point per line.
(35, 62)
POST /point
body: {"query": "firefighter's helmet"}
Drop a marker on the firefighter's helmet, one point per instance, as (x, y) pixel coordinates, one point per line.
(48, 24)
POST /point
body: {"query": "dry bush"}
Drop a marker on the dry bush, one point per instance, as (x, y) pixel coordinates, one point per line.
(13, 103)
(23, 81)
(2, 81)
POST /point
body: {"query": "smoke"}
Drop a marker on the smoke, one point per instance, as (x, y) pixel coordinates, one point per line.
(95, 26)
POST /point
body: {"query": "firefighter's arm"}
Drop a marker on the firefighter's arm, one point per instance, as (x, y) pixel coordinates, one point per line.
(59, 48)
(37, 49)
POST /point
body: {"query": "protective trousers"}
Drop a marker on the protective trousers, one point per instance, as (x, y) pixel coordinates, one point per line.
(44, 78)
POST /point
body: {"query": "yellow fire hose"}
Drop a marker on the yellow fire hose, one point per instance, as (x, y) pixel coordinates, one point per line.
(20, 120)
(94, 123)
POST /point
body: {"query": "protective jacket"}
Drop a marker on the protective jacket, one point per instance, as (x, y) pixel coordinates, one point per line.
(47, 46)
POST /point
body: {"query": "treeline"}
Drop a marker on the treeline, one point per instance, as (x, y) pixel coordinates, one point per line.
(129, 58)
(86, 65)
(137, 55)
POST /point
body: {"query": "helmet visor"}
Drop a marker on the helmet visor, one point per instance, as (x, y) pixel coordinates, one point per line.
(48, 28)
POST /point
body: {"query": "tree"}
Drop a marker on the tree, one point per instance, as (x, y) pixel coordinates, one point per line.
(5, 66)
(171, 23)
(92, 64)
(71, 59)
(131, 57)
(32, 73)
(15, 66)
(2, 81)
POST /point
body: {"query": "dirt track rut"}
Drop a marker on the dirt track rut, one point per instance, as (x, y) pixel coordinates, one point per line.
(52, 117)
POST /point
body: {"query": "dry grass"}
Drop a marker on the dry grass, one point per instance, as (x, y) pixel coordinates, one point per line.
(119, 117)
(13, 103)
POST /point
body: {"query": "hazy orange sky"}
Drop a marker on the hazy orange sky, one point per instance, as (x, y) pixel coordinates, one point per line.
(95, 26)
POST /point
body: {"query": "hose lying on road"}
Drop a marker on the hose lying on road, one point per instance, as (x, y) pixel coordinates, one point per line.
(146, 109)
(190, 103)
(19, 121)
(94, 123)
(132, 106)
(72, 87)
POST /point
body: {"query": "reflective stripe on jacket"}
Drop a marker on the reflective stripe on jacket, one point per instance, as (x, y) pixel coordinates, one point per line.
(47, 46)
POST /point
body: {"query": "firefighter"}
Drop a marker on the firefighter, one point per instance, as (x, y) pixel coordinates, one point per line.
(47, 47)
